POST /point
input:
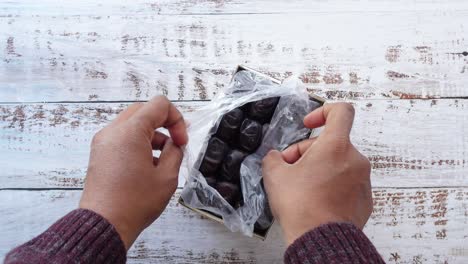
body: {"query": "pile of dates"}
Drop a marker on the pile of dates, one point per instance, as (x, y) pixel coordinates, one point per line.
(239, 134)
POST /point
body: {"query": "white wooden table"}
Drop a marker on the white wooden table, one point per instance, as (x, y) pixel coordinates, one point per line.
(68, 67)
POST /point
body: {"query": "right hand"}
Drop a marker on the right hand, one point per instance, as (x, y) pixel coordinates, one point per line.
(319, 180)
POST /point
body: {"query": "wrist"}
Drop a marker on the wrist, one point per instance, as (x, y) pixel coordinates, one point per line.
(290, 234)
(127, 233)
(295, 228)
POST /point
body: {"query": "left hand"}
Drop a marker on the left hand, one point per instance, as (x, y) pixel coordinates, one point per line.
(125, 184)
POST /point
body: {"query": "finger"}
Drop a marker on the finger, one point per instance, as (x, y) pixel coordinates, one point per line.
(337, 118)
(271, 162)
(171, 157)
(128, 112)
(160, 112)
(315, 118)
(158, 140)
(295, 151)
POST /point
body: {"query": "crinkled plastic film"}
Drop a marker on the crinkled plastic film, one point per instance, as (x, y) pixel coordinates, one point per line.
(285, 128)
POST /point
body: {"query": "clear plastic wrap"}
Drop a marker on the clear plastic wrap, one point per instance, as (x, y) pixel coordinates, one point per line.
(284, 128)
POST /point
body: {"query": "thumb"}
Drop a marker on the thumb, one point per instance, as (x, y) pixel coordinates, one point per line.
(272, 161)
(171, 157)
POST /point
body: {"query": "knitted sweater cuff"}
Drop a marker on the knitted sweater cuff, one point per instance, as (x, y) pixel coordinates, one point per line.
(333, 243)
(82, 236)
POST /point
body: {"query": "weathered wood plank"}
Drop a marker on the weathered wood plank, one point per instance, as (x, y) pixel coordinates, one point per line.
(218, 7)
(410, 143)
(300, 6)
(407, 226)
(49, 143)
(368, 49)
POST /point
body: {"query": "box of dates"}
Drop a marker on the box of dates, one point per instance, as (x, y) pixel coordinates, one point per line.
(230, 136)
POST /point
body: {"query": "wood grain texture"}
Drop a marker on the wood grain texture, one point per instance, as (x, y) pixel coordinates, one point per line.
(130, 50)
(410, 143)
(74, 64)
(407, 226)
(219, 7)
(47, 145)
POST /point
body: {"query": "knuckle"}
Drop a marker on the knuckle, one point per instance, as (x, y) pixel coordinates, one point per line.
(367, 164)
(364, 163)
(351, 160)
(361, 163)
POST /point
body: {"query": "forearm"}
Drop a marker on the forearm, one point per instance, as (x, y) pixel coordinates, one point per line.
(333, 243)
(81, 236)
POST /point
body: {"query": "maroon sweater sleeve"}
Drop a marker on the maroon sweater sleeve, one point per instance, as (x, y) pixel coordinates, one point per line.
(333, 243)
(81, 236)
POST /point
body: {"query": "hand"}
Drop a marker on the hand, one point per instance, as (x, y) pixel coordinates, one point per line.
(319, 180)
(125, 184)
